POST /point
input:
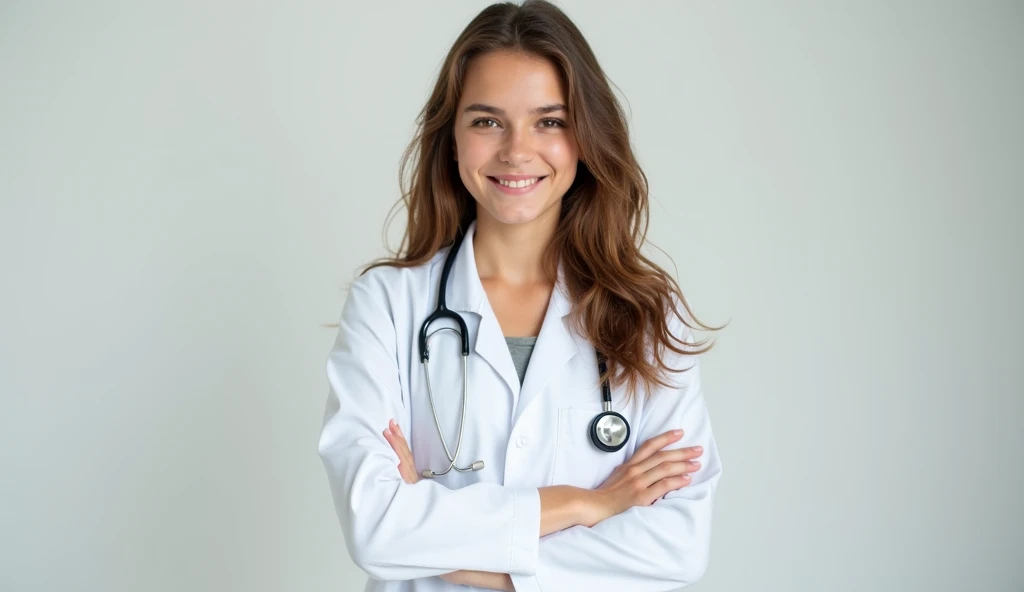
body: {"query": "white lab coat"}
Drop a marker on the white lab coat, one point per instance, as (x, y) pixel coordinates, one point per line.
(405, 535)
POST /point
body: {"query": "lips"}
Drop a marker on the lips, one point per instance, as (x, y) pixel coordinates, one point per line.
(538, 177)
(516, 190)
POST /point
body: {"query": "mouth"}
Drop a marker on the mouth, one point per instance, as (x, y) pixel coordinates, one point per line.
(516, 190)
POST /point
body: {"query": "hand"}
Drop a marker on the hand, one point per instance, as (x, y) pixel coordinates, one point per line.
(648, 475)
(480, 579)
(406, 466)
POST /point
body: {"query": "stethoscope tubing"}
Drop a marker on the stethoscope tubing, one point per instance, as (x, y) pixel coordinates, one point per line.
(442, 312)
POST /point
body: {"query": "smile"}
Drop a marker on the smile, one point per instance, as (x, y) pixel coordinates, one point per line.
(517, 187)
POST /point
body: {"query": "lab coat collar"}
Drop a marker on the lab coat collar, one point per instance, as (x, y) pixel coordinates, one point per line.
(555, 344)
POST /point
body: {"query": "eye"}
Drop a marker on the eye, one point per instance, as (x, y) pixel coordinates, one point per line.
(544, 122)
(559, 123)
(483, 119)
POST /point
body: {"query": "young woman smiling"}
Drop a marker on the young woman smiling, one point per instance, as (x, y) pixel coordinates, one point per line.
(537, 479)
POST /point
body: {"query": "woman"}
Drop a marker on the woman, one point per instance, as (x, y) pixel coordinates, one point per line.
(523, 173)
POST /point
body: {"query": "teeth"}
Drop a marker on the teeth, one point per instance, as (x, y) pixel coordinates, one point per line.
(517, 184)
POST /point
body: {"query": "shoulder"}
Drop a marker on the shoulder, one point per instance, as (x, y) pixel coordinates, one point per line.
(388, 284)
(381, 300)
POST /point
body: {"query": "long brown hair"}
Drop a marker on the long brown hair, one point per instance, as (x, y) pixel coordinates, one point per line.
(621, 297)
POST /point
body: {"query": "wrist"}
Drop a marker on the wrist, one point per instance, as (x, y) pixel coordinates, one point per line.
(590, 507)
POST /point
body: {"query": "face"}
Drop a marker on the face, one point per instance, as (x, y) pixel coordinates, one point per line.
(512, 121)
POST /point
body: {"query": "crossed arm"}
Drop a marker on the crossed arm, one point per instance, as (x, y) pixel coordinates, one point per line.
(395, 531)
(467, 577)
(563, 506)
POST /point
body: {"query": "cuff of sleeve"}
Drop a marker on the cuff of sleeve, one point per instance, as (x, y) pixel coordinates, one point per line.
(525, 543)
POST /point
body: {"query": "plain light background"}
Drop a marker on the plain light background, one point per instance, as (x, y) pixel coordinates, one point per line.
(187, 188)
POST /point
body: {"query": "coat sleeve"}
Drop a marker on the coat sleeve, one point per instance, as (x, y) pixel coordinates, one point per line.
(395, 530)
(663, 546)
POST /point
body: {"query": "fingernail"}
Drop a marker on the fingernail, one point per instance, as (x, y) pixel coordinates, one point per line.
(677, 432)
(698, 448)
(387, 433)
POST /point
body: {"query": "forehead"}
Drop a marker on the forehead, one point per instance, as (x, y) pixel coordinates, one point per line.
(512, 81)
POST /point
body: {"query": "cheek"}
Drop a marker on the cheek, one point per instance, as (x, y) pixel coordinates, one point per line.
(562, 154)
(473, 155)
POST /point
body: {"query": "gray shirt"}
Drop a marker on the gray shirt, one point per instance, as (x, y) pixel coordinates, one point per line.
(521, 348)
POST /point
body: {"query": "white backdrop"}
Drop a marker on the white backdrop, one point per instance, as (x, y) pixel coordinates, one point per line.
(186, 189)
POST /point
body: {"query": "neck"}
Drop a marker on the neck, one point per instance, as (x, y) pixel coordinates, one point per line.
(512, 254)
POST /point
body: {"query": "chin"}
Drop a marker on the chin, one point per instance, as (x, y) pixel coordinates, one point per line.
(513, 218)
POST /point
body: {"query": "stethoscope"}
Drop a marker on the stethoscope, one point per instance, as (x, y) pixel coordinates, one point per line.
(609, 431)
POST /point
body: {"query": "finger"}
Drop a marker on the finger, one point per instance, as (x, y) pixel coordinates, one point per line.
(653, 445)
(408, 474)
(660, 472)
(401, 439)
(393, 441)
(407, 459)
(397, 444)
(666, 485)
(672, 469)
(674, 455)
(668, 469)
(406, 467)
(396, 439)
(394, 446)
(397, 430)
(404, 452)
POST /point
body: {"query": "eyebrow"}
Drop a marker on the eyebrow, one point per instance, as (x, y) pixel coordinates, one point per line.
(535, 111)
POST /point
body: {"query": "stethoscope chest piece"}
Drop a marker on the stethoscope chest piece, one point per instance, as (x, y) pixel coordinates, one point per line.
(609, 431)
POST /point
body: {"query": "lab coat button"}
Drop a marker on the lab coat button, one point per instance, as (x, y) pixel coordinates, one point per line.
(521, 442)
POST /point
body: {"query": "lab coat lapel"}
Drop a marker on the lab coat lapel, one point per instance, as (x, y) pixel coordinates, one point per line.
(555, 345)
(554, 348)
(466, 294)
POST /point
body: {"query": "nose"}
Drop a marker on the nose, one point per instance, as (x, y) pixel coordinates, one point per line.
(517, 148)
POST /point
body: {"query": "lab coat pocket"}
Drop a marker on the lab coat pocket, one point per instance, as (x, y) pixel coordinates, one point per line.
(577, 461)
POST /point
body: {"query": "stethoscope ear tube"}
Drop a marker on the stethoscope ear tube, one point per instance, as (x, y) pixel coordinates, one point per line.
(442, 312)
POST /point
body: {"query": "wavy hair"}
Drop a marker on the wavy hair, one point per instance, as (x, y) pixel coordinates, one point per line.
(621, 297)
